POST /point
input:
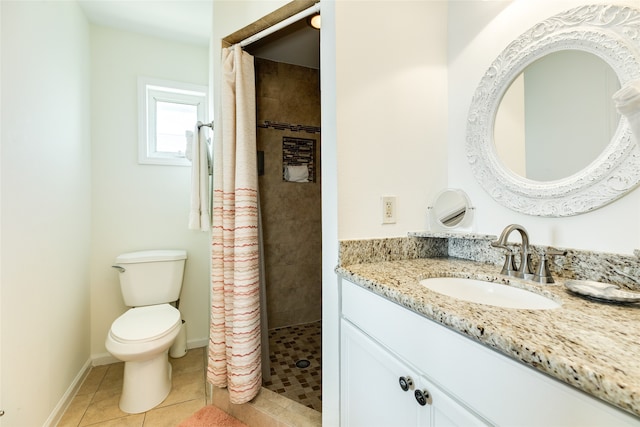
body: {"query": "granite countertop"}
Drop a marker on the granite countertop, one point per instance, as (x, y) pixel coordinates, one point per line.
(590, 345)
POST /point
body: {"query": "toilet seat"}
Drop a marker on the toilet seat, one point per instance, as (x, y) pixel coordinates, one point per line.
(143, 324)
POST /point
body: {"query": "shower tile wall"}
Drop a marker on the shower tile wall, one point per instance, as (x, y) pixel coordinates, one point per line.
(289, 96)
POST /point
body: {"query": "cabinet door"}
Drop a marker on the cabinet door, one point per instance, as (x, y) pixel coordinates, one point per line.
(371, 395)
(445, 411)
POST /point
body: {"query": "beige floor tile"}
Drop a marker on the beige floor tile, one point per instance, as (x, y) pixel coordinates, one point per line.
(172, 415)
(135, 420)
(187, 386)
(100, 408)
(75, 411)
(104, 407)
(93, 380)
(188, 376)
(113, 377)
(192, 361)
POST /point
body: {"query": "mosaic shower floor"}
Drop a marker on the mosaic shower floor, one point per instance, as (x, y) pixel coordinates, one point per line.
(290, 349)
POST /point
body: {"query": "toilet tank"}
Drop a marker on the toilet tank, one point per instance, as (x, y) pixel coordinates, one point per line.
(151, 277)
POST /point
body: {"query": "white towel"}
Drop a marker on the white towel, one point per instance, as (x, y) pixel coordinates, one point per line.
(627, 101)
(199, 218)
(188, 153)
(296, 173)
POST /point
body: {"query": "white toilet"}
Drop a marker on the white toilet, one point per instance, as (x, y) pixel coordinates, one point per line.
(141, 337)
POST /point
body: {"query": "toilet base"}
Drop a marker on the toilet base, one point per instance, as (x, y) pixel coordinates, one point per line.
(146, 383)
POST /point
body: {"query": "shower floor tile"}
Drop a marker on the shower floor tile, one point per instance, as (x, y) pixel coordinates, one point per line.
(292, 344)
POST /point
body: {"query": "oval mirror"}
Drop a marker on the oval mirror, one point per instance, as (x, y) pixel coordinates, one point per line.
(606, 171)
(557, 116)
(451, 209)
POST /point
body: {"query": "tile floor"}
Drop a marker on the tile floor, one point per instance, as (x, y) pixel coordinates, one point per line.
(96, 403)
(287, 346)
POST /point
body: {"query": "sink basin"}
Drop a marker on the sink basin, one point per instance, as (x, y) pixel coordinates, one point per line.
(496, 294)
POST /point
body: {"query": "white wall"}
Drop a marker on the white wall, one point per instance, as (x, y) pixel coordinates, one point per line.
(46, 195)
(478, 32)
(384, 115)
(392, 106)
(65, 89)
(391, 112)
(139, 207)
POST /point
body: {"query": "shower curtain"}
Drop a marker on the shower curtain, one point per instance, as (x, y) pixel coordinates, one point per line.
(234, 350)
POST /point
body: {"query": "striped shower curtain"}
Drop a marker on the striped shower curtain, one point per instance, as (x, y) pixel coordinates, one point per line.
(234, 350)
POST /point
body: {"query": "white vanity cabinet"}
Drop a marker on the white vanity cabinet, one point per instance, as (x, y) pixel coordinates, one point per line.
(378, 389)
(468, 383)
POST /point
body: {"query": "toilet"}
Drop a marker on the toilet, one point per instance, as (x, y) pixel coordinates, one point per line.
(142, 336)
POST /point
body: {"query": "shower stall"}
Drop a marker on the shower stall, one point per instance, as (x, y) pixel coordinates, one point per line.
(288, 136)
(286, 58)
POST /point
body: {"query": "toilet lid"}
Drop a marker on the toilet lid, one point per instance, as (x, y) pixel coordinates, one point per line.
(145, 323)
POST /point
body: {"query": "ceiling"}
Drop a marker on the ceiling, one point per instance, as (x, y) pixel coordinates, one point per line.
(189, 21)
(297, 44)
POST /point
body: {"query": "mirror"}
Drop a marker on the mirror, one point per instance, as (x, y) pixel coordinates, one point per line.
(607, 171)
(557, 116)
(451, 210)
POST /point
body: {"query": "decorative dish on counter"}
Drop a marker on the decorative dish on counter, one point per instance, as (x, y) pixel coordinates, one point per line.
(604, 292)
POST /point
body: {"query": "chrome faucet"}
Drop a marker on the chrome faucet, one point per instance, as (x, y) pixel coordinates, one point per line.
(524, 271)
(543, 273)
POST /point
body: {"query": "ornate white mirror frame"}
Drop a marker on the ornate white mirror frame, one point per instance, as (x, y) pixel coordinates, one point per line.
(613, 34)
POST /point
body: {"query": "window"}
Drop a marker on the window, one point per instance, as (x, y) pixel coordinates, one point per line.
(167, 110)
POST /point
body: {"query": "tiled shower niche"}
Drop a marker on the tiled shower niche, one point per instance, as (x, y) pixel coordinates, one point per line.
(299, 151)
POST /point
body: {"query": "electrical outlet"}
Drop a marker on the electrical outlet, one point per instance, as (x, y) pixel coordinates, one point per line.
(389, 209)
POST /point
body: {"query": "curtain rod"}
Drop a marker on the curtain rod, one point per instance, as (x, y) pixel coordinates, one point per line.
(282, 24)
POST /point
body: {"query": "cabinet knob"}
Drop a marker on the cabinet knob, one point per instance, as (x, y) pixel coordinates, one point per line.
(405, 383)
(423, 397)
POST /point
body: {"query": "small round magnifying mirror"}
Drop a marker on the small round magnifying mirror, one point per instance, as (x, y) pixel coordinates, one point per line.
(451, 210)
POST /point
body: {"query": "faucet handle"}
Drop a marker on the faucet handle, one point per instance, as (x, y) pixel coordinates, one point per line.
(555, 252)
(503, 245)
(543, 275)
(498, 244)
(509, 268)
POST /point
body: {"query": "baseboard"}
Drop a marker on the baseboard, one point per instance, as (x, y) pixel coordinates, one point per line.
(103, 359)
(65, 401)
(203, 342)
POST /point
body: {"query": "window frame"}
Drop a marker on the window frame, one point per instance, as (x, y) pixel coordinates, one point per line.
(151, 91)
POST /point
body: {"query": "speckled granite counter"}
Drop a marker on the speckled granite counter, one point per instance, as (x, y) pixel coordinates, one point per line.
(589, 345)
